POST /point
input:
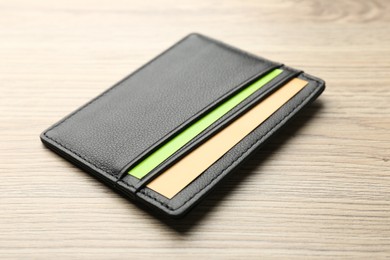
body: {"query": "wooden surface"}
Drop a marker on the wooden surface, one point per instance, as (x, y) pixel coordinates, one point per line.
(319, 189)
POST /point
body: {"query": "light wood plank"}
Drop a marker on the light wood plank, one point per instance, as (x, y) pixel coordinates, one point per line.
(321, 189)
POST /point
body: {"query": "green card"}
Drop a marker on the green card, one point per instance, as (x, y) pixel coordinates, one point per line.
(174, 144)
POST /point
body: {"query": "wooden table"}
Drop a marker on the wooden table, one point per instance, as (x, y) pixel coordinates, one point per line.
(319, 189)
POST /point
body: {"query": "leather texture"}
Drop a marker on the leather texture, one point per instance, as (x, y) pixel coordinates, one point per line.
(124, 124)
(141, 111)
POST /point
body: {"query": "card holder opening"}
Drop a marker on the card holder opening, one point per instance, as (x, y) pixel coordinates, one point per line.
(237, 111)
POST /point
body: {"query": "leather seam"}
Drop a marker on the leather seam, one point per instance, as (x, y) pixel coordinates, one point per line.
(238, 50)
(102, 168)
(143, 191)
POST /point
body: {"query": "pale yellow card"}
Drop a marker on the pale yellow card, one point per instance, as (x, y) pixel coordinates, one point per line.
(184, 171)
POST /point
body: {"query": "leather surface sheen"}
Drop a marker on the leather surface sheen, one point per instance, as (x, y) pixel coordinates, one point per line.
(121, 126)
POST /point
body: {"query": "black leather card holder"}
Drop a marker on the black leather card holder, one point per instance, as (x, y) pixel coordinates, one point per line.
(123, 125)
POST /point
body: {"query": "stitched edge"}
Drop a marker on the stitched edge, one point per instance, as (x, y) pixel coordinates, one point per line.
(107, 170)
(235, 49)
(143, 191)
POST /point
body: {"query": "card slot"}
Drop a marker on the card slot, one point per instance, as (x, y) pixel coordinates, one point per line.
(124, 172)
(249, 102)
(207, 181)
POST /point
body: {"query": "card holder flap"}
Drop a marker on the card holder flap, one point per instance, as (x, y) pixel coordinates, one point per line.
(136, 115)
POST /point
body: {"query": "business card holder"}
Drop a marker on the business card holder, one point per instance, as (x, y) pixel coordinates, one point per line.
(116, 130)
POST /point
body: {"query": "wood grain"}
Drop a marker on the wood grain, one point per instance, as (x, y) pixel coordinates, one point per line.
(321, 189)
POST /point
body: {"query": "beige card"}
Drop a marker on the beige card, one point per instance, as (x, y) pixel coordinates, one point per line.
(184, 171)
